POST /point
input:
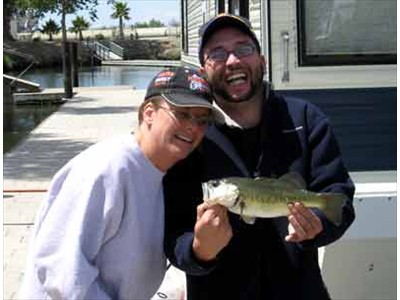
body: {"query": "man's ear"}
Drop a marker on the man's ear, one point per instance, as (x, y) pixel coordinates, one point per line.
(202, 70)
(264, 63)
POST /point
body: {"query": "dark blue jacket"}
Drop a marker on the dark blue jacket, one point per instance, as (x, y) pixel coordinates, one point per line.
(258, 263)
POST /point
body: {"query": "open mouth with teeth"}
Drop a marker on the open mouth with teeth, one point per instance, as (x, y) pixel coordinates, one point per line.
(184, 138)
(237, 79)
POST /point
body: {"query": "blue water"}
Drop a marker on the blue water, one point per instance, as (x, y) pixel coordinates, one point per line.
(138, 77)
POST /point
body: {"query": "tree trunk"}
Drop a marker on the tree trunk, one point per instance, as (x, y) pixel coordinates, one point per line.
(121, 29)
(66, 59)
(7, 16)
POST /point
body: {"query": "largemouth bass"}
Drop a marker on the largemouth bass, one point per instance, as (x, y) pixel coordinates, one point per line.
(268, 197)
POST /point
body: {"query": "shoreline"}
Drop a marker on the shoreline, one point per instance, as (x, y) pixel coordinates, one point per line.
(18, 55)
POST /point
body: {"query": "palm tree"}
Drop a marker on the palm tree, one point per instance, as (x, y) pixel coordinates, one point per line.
(121, 11)
(79, 24)
(50, 28)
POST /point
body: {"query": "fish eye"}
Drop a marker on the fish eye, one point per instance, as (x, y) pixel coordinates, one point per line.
(214, 183)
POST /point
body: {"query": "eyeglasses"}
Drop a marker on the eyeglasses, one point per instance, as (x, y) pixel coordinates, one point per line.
(182, 116)
(221, 55)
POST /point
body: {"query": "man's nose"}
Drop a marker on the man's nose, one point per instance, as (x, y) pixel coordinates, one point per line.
(231, 59)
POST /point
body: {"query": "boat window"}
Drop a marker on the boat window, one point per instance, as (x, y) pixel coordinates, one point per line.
(347, 32)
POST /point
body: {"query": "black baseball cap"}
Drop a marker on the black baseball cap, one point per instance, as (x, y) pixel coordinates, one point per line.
(221, 21)
(183, 87)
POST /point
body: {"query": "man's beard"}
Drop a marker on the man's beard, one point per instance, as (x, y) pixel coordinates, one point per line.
(256, 83)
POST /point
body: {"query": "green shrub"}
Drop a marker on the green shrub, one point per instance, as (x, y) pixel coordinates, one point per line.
(99, 36)
(8, 62)
(171, 54)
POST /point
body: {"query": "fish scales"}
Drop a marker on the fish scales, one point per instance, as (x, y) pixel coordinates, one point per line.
(271, 191)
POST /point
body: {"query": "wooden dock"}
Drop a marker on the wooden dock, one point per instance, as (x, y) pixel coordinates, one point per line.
(55, 95)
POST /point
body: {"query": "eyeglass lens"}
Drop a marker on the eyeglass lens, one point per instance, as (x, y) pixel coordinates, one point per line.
(184, 116)
(220, 54)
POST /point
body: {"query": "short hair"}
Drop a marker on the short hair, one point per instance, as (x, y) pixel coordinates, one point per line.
(155, 100)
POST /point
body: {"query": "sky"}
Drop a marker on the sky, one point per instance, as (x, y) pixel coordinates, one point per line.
(140, 11)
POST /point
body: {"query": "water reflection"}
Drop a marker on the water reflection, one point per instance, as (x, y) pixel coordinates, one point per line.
(138, 77)
(18, 121)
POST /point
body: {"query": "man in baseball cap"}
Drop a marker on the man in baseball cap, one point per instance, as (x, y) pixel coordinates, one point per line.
(225, 20)
(265, 134)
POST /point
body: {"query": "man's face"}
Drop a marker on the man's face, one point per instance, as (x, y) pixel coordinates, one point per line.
(236, 79)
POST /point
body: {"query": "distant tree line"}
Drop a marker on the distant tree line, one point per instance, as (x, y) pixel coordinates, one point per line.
(155, 23)
(38, 9)
(151, 23)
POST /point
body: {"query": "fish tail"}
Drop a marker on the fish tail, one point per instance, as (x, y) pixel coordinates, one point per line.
(333, 206)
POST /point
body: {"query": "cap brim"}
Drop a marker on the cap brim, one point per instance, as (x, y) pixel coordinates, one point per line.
(190, 100)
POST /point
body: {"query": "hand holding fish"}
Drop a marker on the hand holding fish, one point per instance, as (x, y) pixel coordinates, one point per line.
(212, 231)
(304, 224)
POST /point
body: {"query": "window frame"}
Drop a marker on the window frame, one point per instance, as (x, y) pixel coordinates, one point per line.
(243, 7)
(331, 59)
(184, 27)
(220, 5)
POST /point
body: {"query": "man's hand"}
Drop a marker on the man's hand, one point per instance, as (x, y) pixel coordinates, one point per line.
(212, 231)
(304, 224)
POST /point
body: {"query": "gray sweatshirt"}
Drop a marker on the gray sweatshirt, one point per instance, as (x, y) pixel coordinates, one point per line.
(99, 233)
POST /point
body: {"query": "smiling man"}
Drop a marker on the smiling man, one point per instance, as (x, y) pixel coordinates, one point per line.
(265, 135)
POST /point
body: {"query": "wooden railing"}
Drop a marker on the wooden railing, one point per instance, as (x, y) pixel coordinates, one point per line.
(117, 49)
(103, 52)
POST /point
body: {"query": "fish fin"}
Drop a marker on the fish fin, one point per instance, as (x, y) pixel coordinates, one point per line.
(248, 220)
(333, 206)
(294, 180)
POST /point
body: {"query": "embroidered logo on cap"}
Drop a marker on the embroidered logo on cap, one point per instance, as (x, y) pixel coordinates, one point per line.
(163, 78)
(197, 83)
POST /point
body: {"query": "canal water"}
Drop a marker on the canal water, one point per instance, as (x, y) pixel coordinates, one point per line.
(19, 120)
